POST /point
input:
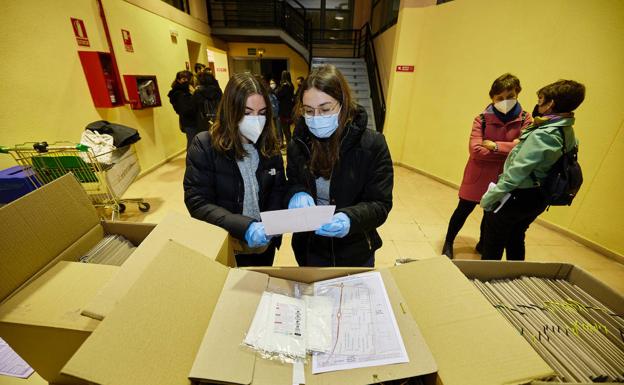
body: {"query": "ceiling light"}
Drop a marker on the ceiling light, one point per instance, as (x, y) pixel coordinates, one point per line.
(339, 17)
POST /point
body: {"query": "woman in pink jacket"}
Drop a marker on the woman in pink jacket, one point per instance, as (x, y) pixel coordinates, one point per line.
(494, 133)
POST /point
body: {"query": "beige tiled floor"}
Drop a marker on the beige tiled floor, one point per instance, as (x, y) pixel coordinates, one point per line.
(415, 228)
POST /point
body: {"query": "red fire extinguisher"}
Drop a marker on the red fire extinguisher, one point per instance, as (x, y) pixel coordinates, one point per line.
(110, 86)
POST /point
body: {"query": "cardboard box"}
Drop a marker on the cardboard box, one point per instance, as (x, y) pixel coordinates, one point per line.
(202, 237)
(491, 270)
(42, 286)
(155, 331)
(43, 290)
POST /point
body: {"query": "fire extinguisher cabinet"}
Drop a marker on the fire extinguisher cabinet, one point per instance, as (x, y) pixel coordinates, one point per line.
(98, 69)
(142, 91)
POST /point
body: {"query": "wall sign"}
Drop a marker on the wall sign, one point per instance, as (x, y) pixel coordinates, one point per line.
(127, 40)
(251, 51)
(80, 32)
(405, 69)
(221, 69)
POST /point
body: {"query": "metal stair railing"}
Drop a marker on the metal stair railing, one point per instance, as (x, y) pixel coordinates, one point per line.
(279, 14)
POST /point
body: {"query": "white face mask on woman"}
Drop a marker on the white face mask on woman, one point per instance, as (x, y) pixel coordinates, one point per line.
(504, 106)
(251, 126)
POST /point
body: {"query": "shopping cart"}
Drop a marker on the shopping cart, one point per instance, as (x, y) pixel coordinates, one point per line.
(49, 162)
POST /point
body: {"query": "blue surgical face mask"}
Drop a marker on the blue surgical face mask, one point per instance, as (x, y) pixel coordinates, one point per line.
(322, 126)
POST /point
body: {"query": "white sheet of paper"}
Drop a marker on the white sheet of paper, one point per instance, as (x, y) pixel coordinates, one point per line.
(502, 201)
(296, 220)
(11, 364)
(365, 332)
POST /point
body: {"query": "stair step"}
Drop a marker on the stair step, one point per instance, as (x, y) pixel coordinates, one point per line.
(341, 65)
(334, 60)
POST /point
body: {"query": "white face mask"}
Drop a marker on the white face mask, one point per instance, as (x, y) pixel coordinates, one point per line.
(504, 106)
(251, 126)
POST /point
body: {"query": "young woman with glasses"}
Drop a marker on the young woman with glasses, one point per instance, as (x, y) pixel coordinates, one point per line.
(333, 159)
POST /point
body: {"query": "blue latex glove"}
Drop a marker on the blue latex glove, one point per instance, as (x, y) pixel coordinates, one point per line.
(338, 227)
(300, 200)
(255, 236)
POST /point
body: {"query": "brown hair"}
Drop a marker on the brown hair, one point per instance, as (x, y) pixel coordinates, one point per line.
(567, 95)
(328, 79)
(231, 110)
(505, 82)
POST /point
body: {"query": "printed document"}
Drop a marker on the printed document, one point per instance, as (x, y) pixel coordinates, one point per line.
(364, 329)
(296, 220)
(11, 364)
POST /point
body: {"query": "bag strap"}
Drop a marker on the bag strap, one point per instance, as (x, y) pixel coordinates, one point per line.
(563, 149)
(482, 124)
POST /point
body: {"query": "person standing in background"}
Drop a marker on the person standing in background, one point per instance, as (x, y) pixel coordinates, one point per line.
(275, 109)
(206, 100)
(285, 95)
(494, 133)
(300, 80)
(525, 170)
(180, 97)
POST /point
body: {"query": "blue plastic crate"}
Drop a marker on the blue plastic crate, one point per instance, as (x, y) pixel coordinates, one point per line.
(14, 183)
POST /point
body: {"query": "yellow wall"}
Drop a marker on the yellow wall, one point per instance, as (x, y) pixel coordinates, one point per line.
(44, 92)
(384, 48)
(298, 66)
(460, 47)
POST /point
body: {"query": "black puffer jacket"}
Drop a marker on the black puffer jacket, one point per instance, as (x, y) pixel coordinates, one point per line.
(214, 190)
(361, 187)
(180, 98)
(212, 94)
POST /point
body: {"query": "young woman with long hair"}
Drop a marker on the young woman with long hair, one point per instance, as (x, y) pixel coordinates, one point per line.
(236, 170)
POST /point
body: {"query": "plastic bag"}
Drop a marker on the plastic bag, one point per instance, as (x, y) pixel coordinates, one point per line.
(101, 145)
(287, 328)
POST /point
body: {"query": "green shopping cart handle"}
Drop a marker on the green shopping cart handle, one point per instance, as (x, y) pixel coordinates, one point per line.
(82, 147)
(4, 150)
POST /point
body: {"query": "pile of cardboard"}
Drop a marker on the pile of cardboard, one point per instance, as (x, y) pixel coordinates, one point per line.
(175, 299)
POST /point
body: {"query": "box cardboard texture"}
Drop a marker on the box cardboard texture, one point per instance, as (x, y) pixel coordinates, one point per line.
(491, 270)
(197, 235)
(42, 286)
(154, 333)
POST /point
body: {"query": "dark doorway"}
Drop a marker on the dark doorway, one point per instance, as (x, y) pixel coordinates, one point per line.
(272, 68)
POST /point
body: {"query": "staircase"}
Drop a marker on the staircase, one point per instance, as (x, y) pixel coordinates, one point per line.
(354, 70)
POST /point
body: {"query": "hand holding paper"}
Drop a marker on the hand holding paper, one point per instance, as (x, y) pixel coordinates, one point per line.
(338, 227)
(255, 236)
(300, 200)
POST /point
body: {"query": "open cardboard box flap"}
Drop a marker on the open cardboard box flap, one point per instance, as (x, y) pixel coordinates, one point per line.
(153, 333)
(40, 230)
(192, 233)
(156, 330)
